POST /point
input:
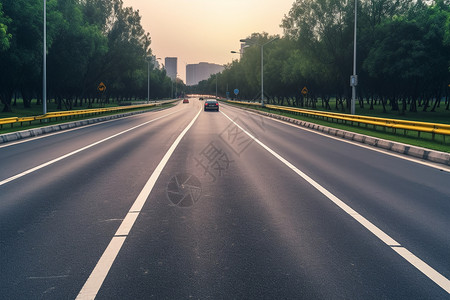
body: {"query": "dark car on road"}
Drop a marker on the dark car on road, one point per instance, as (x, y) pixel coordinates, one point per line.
(211, 105)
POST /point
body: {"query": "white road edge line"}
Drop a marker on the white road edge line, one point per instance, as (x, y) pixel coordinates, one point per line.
(417, 160)
(435, 276)
(98, 275)
(5, 181)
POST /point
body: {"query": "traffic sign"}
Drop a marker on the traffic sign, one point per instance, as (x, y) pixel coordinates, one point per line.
(101, 87)
(354, 80)
(236, 92)
(304, 91)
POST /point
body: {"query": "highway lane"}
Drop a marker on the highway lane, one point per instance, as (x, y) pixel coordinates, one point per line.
(21, 155)
(52, 222)
(409, 200)
(257, 230)
(252, 236)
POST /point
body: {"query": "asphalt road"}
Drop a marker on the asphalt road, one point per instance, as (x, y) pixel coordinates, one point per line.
(182, 203)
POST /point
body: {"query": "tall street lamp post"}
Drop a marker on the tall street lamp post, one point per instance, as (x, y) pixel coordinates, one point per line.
(149, 59)
(176, 85)
(354, 77)
(262, 64)
(44, 73)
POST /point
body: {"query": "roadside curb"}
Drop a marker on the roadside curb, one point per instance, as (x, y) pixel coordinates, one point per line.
(410, 150)
(18, 135)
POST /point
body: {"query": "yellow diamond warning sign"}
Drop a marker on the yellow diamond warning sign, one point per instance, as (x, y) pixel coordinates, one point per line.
(304, 91)
(101, 87)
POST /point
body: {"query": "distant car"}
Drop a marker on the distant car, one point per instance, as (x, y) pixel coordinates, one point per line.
(201, 98)
(185, 100)
(211, 105)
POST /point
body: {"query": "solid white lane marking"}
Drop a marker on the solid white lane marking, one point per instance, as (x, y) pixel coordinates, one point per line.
(358, 144)
(424, 268)
(98, 275)
(127, 223)
(435, 276)
(12, 178)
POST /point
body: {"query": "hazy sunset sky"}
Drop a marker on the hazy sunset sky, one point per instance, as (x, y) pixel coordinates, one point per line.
(206, 30)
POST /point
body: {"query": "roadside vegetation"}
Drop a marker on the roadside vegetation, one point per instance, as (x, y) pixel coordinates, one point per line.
(403, 59)
(403, 64)
(88, 42)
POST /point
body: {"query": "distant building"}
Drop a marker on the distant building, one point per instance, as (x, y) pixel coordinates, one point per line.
(201, 71)
(171, 67)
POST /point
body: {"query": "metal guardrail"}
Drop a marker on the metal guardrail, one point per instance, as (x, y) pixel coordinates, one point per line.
(72, 113)
(433, 128)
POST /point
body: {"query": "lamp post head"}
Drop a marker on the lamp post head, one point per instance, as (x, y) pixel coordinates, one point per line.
(270, 41)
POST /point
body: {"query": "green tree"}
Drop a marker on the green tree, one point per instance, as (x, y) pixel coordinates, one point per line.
(5, 37)
(324, 31)
(409, 58)
(128, 45)
(76, 45)
(22, 62)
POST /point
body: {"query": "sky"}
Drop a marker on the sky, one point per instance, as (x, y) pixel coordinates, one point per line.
(206, 30)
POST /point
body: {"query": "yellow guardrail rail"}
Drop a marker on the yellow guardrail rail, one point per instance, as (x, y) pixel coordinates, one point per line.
(433, 128)
(71, 113)
(245, 102)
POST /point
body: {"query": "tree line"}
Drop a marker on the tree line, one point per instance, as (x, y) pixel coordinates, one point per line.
(88, 42)
(403, 57)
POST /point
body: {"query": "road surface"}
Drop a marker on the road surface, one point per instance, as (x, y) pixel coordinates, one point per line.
(182, 203)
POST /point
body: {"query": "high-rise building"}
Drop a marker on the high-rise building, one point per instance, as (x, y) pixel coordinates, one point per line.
(171, 67)
(201, 71)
